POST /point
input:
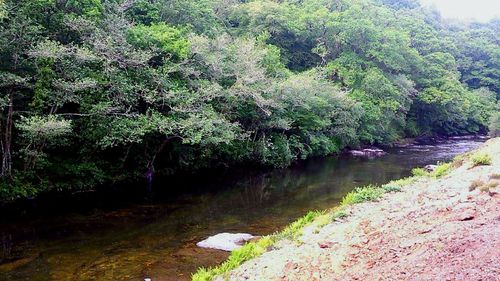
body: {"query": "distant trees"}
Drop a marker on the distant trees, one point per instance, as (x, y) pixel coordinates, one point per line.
(94, 91)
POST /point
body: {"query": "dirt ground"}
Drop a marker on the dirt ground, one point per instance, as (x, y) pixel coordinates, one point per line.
(436, 229)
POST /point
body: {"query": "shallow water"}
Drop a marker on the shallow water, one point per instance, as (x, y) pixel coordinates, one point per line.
(156, 238)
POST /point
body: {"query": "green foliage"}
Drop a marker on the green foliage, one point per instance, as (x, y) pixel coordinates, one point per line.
(293, 230)
(362, 194)
(442, 170)
(340, 213)
(419, 172)
(204, 83)
(480, 159)
(166, 38)
(494, 123)
(91, 9)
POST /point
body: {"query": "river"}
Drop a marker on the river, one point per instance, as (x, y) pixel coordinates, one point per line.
(156, 238)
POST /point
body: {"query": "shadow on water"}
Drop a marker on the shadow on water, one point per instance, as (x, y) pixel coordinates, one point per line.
(112, 240)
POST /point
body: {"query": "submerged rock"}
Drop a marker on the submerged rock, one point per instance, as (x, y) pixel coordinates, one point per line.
(368, 152)
(226, 241)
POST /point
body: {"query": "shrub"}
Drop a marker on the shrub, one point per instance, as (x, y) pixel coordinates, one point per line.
(480, 159)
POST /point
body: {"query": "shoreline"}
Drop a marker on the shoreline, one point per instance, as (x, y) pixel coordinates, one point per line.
(306, 250)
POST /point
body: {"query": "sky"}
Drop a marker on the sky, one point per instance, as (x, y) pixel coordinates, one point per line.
(479, 10)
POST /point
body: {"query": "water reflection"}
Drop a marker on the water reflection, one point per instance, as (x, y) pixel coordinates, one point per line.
(157, 240)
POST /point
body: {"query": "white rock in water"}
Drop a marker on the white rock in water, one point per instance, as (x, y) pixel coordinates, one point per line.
(430, 168)
(225, 241)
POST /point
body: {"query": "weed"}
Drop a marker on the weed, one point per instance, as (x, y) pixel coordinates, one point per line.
(481, 159)
(362, 194)
(442, 170)
(340, 213)
(404, 181)
(475, 184)
(495, 176)
(295, 229)
(419, 172)
(391, 188)
(458, 161)
(488, 186)
(322, 220)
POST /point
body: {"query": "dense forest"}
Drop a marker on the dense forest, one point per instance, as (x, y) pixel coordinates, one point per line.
(100, 91)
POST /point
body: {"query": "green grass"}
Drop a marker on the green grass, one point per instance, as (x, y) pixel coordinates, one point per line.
(294, 230)
(339, 213)
(419, 172)
(362, 194)
(441, 170)
(481, 159)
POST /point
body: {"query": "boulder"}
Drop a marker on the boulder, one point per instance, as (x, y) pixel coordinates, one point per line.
(226, 241)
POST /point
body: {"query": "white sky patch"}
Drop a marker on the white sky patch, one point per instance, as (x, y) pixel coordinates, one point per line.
(479, 10)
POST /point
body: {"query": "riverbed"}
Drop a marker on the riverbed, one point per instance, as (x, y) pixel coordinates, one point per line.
(156, 238)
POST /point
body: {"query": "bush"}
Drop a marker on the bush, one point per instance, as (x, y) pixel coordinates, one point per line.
(481, 159)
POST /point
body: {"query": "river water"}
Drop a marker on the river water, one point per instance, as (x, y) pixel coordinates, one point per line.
(156, 238)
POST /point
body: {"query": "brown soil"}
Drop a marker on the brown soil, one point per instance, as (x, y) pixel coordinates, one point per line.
(436, 229)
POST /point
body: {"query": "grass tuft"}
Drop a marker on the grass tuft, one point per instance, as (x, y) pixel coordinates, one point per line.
(419, 172)
(481, 159)
(442, 170)
(475, 184)
(362, 194)
(339, 213)
(391, 188)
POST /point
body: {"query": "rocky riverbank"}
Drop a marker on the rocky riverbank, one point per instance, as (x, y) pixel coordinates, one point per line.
(443, 225)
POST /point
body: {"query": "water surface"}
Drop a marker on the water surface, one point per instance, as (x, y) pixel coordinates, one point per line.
(156, 238)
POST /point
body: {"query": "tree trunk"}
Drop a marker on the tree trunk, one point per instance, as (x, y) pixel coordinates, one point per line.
(7, 139)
